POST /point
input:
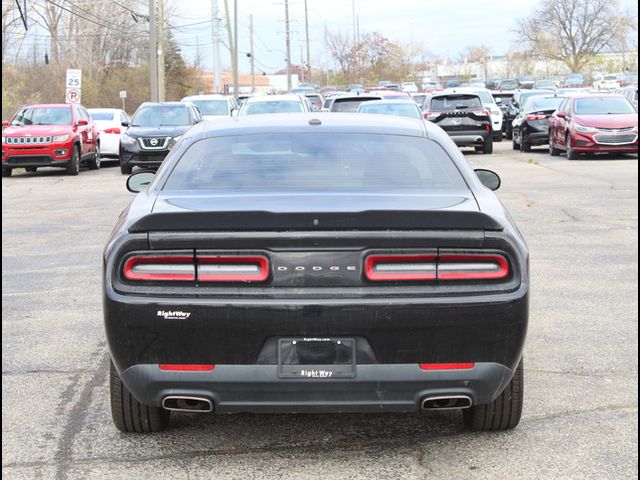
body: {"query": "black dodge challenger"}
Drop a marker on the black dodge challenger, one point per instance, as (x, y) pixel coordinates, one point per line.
(315, 263)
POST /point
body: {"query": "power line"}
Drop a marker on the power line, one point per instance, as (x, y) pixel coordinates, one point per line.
(84, 18)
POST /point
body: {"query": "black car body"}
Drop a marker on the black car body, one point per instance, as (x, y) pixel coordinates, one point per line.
(531, 125)
(513, 108)
(153, 131)
(463, 117)
(305, 263)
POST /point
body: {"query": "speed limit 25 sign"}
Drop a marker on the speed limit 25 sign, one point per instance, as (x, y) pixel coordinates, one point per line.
(74, 78)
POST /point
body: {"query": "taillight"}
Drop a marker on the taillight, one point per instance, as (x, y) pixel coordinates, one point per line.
(201, 268)
(223, 268)
(534, 117)
(400, 267)
(430, 115)
(160, 267)
(481, 113)
(112, 130)
(186, 367)
(449, 266)
(472, 267)
(446, 366)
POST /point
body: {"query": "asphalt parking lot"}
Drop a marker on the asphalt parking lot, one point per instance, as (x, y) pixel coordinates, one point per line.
(581, 359)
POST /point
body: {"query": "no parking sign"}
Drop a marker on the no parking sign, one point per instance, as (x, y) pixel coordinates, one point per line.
(73, 86)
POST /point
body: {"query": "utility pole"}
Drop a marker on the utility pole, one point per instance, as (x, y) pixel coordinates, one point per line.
(235, 49)
(306, 28)
(153, 51)
(215, 22)
(161, 95)
(288, 42)
(253, 66)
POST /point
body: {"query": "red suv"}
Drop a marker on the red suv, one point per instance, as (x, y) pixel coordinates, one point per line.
(55, 135)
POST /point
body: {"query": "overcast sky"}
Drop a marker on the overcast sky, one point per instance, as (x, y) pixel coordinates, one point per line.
(444, 28)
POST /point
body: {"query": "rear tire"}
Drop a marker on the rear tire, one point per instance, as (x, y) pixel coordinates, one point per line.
(74, 164)
(524, 146)
(487, 148)
(131, 416)
(6, 172)
(94, 163)
(504, 412)
(125, 169)
(515, 145)
(31, 169)
(553, 151)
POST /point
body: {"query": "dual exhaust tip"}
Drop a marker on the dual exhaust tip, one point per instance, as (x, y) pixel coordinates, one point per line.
(449, 402)
(180, 403)
(204, 405)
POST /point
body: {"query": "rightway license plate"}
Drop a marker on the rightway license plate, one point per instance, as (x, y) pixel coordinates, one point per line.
(322, 358)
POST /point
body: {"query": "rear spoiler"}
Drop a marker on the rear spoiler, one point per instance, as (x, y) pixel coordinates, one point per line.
(293, 221)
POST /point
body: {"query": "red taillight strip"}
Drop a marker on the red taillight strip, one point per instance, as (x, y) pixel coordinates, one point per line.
(186, 367)
(446, 366)
(465, 271)
(397, 261)
(445, 267)
(225, 265)
(159, 262)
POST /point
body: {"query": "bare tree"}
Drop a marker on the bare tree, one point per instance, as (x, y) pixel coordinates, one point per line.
(572, 31)
(480, 54)
(340, 46)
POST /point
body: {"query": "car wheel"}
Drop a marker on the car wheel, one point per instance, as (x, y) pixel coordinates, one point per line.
(504, 412)
(94, 163)
(125, 169)
(553, 151)
(571, 155)
(524, 146)
(498, 137)
(131, 416)
(74, 164)
(508, 134)
(6, 172)
(488, 146)
(31, 169)
(514, 144)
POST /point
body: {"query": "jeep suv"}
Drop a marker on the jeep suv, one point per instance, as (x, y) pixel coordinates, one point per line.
(154, 129)
(52, 135)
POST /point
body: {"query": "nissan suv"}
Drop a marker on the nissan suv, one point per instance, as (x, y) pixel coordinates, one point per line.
(154, 129)
(50, 135)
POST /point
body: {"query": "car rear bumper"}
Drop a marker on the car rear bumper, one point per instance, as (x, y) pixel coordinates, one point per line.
(469, 138)
(259, 389)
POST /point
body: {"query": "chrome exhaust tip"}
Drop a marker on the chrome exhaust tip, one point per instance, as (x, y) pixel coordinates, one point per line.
(449, 402)
(181, 403)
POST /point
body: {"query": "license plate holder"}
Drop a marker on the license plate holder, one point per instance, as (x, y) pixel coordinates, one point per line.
(316, 358)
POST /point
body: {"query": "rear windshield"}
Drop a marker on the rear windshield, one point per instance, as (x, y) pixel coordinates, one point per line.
(400, 109)
(163, 116)
(542, 103)
(277, 106)
(315, 162)
(602, 106)
(212, 107)
(43, 116)
(350, 105)
(455, 102)
(101, 116)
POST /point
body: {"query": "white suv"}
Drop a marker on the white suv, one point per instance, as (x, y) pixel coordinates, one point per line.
(409, 87)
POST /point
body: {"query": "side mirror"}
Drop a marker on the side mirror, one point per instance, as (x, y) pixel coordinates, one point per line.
(124, 124)
(5, 123)
(83, 122)
(139, 181)
(489, 179)
(561, 114)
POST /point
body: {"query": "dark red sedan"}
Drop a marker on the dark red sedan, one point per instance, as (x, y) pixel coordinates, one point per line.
(593, 124)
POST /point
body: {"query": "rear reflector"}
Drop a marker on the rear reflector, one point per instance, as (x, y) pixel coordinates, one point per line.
(403, 267)
(533, 117)
(472, 267)
(254, 268)
(186, 367)
(446, 366)
(400, 267)
(160, 267)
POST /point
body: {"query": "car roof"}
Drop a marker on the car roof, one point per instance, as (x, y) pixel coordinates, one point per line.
(205, 96)
(98, 109)
(313, 122)
(165, 104)
(389, 101)
(47, 105)
(274, 98)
